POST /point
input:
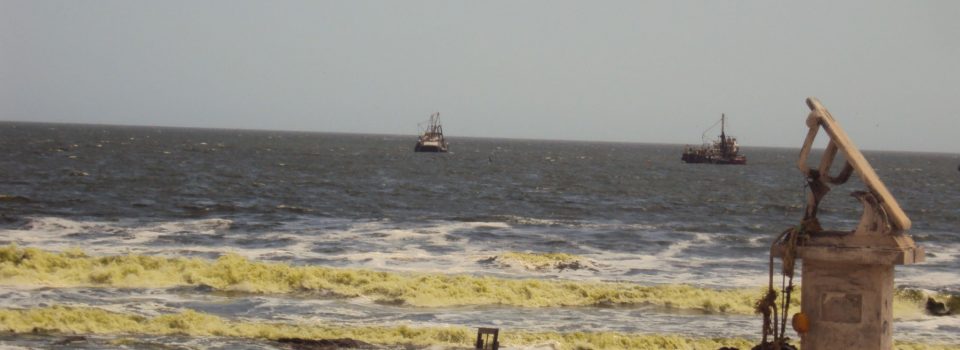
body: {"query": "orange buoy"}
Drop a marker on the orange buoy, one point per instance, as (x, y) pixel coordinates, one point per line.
(800, 323)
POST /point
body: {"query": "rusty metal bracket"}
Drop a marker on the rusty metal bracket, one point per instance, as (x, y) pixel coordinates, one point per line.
(881, 210)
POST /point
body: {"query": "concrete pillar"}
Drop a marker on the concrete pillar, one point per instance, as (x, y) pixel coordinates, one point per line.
(847, 287)
(849, 306)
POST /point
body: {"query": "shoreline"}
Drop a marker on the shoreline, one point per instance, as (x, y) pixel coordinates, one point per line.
(60, 321)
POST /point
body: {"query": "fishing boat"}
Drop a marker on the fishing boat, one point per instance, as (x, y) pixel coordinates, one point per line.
(432, 139)
(724, 150)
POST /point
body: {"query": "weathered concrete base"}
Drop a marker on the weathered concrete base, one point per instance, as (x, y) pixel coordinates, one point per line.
(850, 306)
(847, 287)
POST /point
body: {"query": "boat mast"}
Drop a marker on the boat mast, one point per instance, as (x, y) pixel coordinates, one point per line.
(437, 129)
(723, 135)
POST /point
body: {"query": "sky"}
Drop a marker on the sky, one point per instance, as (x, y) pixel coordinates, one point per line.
(624, 71)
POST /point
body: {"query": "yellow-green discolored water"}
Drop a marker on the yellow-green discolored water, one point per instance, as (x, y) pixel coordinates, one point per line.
(72, 268)
(192, 323)
(91, 320)
(30, 266)
(540, 261)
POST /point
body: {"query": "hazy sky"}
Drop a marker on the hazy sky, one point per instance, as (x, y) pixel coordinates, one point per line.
(636, 71)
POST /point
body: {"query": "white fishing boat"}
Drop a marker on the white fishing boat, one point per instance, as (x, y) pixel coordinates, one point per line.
(432, 138)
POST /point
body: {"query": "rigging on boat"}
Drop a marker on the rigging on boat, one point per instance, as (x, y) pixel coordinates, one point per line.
(725, 150)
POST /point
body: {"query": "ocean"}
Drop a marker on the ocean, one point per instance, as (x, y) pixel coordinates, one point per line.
(190, 204)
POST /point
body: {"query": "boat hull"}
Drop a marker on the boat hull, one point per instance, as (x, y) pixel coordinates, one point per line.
(429, 148)
(697, 159)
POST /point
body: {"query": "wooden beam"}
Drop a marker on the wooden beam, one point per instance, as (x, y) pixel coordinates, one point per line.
(839, 137)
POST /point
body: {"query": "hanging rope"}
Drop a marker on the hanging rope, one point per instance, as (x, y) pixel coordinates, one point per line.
(703, 137)
(775, 316)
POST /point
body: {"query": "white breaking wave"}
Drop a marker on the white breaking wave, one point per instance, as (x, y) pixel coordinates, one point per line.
(437, 247)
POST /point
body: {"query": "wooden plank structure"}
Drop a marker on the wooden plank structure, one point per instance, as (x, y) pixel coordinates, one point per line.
(484, 341)
(840, 141)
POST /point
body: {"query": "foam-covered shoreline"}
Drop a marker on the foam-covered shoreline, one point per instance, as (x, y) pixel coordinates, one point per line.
(643, 254)
(73, 268)
(95, 321)
(71, 320)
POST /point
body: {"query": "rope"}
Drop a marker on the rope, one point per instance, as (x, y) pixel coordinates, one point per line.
(774, 317)
(703, 137)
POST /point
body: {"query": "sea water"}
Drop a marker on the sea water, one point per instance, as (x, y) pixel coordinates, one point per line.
(360, 204)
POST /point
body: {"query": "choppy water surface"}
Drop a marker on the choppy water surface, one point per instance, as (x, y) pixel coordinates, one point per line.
(369, 202)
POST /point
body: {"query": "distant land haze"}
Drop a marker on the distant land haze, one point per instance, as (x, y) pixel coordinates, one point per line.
(658, 72)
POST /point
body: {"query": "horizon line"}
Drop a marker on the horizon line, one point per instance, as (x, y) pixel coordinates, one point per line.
(398, 135)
